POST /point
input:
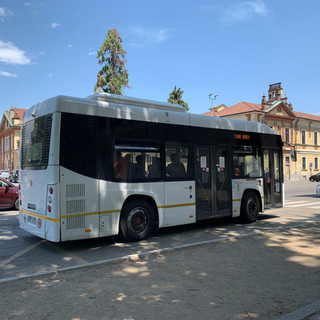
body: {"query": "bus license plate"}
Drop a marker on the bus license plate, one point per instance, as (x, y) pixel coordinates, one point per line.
(32, 220)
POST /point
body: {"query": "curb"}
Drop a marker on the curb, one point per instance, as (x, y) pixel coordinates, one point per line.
(303, 313)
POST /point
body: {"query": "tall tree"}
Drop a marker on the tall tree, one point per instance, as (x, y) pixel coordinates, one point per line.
(114, 75)
(176, 97)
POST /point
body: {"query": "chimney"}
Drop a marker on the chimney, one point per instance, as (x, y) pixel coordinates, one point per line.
(263, 102)
(15, 118)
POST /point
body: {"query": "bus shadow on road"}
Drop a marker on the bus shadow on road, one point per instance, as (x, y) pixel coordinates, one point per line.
(266, 217)
(183, 230)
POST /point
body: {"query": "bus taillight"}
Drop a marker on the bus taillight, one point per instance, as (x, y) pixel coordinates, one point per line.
(50, 199)
(20, 200)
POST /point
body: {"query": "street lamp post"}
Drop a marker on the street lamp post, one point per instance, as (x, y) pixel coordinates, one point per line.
(212, 98)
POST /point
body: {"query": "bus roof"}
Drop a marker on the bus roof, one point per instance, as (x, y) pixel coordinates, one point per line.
(114, 106)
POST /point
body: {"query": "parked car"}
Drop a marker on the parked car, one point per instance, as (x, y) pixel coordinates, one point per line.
(315, 177)
(14, 176)
(4, 174)
(318, 190)
(9, 194)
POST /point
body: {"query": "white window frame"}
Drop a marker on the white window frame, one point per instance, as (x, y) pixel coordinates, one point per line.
(316, 138)
(304, 162)
(316, 163)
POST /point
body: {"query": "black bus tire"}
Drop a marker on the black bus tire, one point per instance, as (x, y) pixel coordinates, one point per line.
(137, 220)
(250, 207)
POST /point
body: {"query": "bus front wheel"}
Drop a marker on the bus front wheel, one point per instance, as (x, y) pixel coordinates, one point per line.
(137, 220)
(250, 207)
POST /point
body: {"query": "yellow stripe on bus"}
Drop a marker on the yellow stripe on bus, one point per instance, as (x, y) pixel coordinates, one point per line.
(39, 216)
(178, 205)
(102, 212)
(89, 213)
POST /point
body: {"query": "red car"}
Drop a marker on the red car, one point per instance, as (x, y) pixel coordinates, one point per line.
(9, 194)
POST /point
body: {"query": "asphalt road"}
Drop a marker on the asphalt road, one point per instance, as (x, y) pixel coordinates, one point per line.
(24, 255)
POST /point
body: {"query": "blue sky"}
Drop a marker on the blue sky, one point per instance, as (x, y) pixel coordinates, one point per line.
(233, 49)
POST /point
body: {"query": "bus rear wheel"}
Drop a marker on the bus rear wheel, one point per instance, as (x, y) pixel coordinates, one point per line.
(137, 220)
(250, 207)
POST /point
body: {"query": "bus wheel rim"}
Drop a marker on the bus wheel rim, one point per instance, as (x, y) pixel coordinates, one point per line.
(137, 220)
(252, 207)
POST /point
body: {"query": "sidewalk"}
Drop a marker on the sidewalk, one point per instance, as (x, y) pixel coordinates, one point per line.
(267, 276)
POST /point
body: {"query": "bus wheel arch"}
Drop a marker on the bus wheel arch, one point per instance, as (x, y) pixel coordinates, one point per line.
(138, 219)
(251, 205)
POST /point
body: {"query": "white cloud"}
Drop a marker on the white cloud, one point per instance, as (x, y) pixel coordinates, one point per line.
(4, 13)
(242, 10)
(69, 45)
(8, 74)
(27, 4)
(91, 52)
(10, 54)
(151, 35)
(55, 25)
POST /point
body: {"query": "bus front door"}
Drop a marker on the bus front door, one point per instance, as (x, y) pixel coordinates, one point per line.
(272, 179)
(212, 184)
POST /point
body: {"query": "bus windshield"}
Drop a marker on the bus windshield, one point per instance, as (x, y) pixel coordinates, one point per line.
(36, 142)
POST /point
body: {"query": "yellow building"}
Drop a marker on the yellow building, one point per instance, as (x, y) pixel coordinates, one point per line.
(299, 131)
(10, 138)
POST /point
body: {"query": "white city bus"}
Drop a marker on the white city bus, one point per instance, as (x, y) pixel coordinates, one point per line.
(108, 165)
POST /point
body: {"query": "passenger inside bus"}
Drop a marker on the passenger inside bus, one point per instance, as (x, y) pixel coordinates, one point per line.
(120, 167)
(175, 168)
(154, 170)
(137, 168)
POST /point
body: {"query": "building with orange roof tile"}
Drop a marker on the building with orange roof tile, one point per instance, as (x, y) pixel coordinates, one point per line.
(299, 131)
(10, 138)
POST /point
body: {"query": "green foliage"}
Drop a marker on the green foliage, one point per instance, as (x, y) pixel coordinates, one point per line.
(176, 97)
(113, 75)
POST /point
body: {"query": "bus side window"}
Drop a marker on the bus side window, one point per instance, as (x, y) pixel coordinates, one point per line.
(246, 163)
(134, 163)
(178, 160)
